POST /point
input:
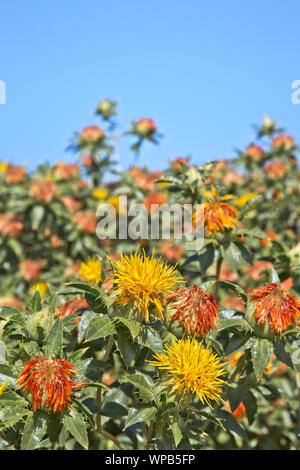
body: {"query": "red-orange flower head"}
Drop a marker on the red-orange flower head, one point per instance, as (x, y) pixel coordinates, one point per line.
(255, 152)
(92, 134)
(145, 127)
(50, 381)
(10, 225)
(14, 174)
(275, 170)
(154, 199)
(66, 170)
(285, 141)
(217, 214)
(275, 306)
(43, 190)
(195, 309)
(86, 221)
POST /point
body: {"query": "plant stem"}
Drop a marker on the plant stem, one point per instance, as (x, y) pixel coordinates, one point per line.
(101, 431)
(218, 270)
(149, 436)
(108, 349)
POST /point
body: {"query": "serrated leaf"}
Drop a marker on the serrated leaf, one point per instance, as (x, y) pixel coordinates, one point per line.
(261, 352)
(140, 416)
(54, 340)
(143, 384)
(99, 328)
(224, 323)
(34, 431)
(75, 424)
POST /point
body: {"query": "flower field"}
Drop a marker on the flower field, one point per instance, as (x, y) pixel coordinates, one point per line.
(114, 341)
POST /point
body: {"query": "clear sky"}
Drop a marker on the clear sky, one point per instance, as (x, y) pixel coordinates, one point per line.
(205, 71)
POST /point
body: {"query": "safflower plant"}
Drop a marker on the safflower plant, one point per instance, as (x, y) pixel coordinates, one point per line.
(119, 343)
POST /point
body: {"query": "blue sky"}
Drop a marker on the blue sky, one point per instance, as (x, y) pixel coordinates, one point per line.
(205, 71)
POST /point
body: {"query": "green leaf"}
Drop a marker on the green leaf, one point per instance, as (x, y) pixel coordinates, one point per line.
(177, 434)
(251, 407)
(11, 416)
(235, 287)
(224, 323)
(282, 355)
(99, 328)
(150, 338)
(126, 347)
(236, 395)
(143, 383)
(34, 431)
(231, 424)
(86, 287)
(54, 340)
(35, 304)
(75, 424)
(273, 276)
(261, 351)
(132, 325)
(232, 256)
(114, 410)
(97, 304)
(142, 415)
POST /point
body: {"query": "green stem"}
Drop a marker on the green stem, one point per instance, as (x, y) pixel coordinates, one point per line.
(109, 348)
(149, 436)
(101, 431)
(218, 270)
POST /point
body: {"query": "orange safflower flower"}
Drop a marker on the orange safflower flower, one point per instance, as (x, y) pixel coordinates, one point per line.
(275, 169)
(51, 378)
(271, 236)
(70, 203)
(92, 134)
(87, 160)
(12, 302)
(10, 225)
(31, 269)
(217, 214)
(195, 309)
(275, 305)
(71, 307)
(176, 163)
(154, 198)
(145, 126)
(43, 190)
(86, 221)
(254, 151)
(283, 140)
(144, 179)
(14, 174)
(66, 170)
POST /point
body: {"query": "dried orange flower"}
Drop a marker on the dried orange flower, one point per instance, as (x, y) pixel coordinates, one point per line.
(145, 126)
(275, 170)
(43, 190)
(10, 225)
(275, 306)
(14, 174)
(216, 214)
(50, 380)
(86, 221)
(195, 309)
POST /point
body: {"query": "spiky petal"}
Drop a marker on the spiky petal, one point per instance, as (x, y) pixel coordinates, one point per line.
(145, 280)
(195, 309)
(49, 381)
(275, 306)
(191, 369)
